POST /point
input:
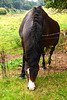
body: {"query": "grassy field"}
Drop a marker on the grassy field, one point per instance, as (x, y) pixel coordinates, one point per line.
(48, 87)
(9, 27)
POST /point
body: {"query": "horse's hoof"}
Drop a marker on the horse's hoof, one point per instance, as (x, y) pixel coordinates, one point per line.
(43, 68)
(21, 77)
(49, 62)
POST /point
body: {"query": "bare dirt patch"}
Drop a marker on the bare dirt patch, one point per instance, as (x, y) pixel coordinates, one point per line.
(58, 64)
(9, 57)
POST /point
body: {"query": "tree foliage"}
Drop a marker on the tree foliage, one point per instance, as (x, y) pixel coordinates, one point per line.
(18, 4)
(60, 4)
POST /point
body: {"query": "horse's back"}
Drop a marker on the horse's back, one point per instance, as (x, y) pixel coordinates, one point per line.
(27, 23)
(50, 26)
(50, 31)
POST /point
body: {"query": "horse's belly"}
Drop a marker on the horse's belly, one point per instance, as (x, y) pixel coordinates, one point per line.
(50, 42)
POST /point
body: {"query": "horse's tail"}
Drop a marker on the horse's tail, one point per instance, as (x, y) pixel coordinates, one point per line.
(34, 51)
(38, 28)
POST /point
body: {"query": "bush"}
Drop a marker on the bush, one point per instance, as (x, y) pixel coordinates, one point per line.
(27, 6)
(13, 10)
(16, 11)
(50, 4)
(3, 11)
(8, 10)
(59, 5)
(64, 5)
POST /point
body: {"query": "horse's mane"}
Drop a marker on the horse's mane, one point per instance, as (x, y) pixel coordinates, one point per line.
(33, 53)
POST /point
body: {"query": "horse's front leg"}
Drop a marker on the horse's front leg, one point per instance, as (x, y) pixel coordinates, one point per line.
(50, 54)
(22, 75)
(43, 63)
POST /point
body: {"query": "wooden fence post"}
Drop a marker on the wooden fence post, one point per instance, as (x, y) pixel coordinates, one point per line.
(3, 63)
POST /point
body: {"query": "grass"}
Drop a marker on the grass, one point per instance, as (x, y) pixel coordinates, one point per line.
(13, 63)
(9, 33)
(9, 26)
(52, 87)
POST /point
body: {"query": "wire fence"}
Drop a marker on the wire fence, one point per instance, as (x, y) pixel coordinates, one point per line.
(63, 32)
(11, 61)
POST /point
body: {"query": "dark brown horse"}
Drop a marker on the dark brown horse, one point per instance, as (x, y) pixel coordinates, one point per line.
(37, 31)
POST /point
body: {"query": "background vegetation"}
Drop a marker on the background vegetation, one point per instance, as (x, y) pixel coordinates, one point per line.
(3, 11)
(60, 4)
(9, 26)
(20, 4)
(48, 87)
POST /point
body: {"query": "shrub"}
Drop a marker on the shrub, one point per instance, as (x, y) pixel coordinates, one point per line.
(13, 10)
(8, 10)
(3, 11)
(59, 4)
(50, 4)
(27, 6)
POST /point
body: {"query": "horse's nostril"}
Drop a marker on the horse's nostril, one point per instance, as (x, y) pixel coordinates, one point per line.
(28, 87)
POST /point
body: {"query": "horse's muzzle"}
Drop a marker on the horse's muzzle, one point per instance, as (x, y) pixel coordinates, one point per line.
(31, 85)
(33, 88)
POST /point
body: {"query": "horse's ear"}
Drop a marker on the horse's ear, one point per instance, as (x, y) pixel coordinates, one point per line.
(40, 6)
(34, 8)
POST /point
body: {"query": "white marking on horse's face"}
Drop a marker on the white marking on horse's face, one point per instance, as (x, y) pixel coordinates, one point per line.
(31, 85)
(28, 71)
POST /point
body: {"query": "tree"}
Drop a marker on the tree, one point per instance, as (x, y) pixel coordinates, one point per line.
(7, 3)
(61, 4)
(18, 4)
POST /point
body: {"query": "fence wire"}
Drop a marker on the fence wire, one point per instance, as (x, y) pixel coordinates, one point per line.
(13, 63)
(63, 32)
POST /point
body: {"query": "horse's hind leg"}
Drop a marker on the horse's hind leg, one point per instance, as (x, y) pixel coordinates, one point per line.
(22, 75)
(43, 66)
(50, 54)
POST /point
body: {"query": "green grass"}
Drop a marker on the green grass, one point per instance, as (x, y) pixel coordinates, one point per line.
(9, 33)
(52, 87)
(9, 26)
(13, 63)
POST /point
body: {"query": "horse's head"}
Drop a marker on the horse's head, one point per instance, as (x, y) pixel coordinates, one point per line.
(31, 73)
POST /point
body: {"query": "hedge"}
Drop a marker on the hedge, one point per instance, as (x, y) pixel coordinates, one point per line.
(3, 11)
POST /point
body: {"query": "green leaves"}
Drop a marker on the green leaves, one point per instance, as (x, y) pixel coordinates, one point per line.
(3, 11)
(60, 4)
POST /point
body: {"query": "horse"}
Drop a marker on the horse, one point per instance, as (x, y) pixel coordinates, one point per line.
(37, 31)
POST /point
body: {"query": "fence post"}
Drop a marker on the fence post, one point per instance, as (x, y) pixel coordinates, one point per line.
(3, 63)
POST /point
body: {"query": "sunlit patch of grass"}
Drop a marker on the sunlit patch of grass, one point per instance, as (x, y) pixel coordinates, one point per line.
(9, 32)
